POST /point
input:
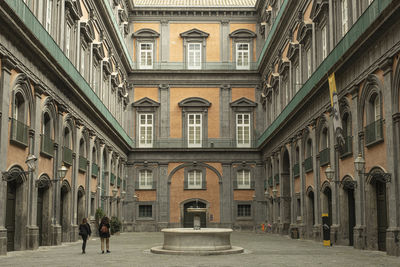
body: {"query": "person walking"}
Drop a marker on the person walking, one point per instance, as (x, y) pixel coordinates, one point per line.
(84, 232)
(104, 233)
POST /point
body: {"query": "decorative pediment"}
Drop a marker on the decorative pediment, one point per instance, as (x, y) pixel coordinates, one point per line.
(87, 30)
(243, 102)
(319, 7)
(194, 102)
(283, 66)
(194, 33)
(122, 15)
(293, 50)
(115, 80)
(146, 102)
(304, 31)
(242, 33)
(107, 67)
(146, 33)
(98, 51)
(274, 80)
(74, 9)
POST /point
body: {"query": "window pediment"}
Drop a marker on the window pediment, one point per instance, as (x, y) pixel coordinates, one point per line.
(304, 32)
(98, 51)
(146, 102)
(283, 66)
(274, 80)
(293, 50)
(145, 33)
(74, 9)
(194, 33)
(242, 33)
(87, 31)
(194, 102)
(115, 80)
(243, 103)
(319, 8)
(107, 67)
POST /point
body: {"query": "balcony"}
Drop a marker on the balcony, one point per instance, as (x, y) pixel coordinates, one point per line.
(82, 164)
(46, 145)
(204, 66)
(348, 147)
(308, 165)
(270, 182)
(209, 143)
(276, 178)
(112, 179)
(373, 133)
(67, 156)
(95, 170)
(296, 170)
(119, 182)
(324, 158)
(19, 132)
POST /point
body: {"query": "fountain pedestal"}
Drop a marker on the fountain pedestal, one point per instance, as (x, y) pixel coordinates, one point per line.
(196, 213)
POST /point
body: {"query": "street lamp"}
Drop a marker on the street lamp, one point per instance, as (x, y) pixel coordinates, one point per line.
(30, 161)
(62, 172)
(359, 163)
(274, 192)
(266, 193)
(123, 193)
(329, 172)
(14, 174)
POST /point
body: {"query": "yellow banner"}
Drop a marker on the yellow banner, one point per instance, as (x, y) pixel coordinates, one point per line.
(332, 86)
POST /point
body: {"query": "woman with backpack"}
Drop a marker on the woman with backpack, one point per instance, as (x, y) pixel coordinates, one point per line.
(104, 233)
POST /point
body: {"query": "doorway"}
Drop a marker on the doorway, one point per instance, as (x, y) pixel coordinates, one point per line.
(188, 216)
(351, 214)
(382, 214)
(10, 214)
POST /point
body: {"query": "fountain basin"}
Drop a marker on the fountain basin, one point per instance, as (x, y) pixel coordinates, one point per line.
(206, 241)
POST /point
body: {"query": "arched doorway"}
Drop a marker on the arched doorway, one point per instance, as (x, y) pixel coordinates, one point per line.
(43, 211)
(327, 202)
(188, 217)
(348, 210)
(80, 205)
(65, 211)
(286, 193)
(310, 212)
(381, 209)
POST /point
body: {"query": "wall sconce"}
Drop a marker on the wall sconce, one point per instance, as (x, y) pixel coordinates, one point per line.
(359, 164)
(14, 174)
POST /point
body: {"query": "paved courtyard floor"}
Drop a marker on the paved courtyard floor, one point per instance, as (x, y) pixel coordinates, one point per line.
(133, 249)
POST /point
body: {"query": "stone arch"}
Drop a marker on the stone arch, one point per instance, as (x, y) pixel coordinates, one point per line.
(44, 209)
(310, 211)
(21, 85)
(69, 124)
(321, 125)
(326, 199)
(396, 89)
(372, 86)
(65, 211)
(49, 108)
(286, 188)
(201, 203)
(347, 209)
(191, 164)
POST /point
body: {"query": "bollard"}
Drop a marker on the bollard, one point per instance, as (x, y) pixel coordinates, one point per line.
(326, 230)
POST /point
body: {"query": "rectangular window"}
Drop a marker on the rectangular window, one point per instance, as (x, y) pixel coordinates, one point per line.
(244, 210)
(194, 56)
(146, 56)
(345, 18)
(194, 130)
(243, 179)
(324, 37)
(309, 63)
(243, 130)
(297, 77)
(145, 211)
(194, 179)
(287, 92)
(48, 15)
(145, 179)
(67, 40)
(242, 56)
(83, 52)
(145, 130)
(94, 79)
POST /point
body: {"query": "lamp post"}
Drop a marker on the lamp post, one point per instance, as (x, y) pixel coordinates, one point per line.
(359, 163)
(330, 173)
(62, 172)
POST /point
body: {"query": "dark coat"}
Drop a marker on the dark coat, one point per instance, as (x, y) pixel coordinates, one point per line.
(84, 229)
(104, 235)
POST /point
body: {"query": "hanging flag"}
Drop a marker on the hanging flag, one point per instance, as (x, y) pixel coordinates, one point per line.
(337, 122)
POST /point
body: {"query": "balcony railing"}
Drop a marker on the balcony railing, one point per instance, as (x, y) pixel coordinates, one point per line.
(209, 143)
(46, 145)
(119, 182)
(67, 156)
(204, 66)
(95, 170)
(296, 170)
(373, 132)
(82, 164)
(308, 165)
(348, 146)
(324, 157)
(112, 179)
(19, 132)
(270, 182)
(276, 178)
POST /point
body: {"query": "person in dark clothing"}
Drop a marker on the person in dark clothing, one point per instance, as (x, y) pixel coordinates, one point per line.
(84, 232)
(104, 233)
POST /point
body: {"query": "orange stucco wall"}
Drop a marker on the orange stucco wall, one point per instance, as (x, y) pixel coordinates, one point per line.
(93, 185)
(297, 185)
(178, 94)
(144, 195)
(178, 194)
(85, 13)
(243, 92)
(308, 12)
(309, 179)
(243, 195)
(144, 25)
(376, 156)
(247, 26)
(346, 167)
(212, 43)
(141, 92)
(45, 165)
(81, 179)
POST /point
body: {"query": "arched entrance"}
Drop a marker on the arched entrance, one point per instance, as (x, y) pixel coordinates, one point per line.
(80, 205)
(286, 193)
(310, 212)
(188, 217)
(65, 211)
(43, 211)
(327, 202)
(348, 210)
(381, 214)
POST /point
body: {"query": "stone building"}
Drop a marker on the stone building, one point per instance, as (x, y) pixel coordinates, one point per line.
(152, 107)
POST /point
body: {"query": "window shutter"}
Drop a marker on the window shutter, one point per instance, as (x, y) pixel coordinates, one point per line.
(235, 184)
(203, 184)
(185, 183)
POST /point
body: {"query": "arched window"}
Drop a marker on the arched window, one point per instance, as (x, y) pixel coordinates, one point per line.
(324, 139)
(94, 155)
(19, 110)
(373, 129)
(324, 147)
(47, 145)
(67, 149)
(82, 155)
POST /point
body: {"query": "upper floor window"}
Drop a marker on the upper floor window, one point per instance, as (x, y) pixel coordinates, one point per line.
(297, 77)
(145, 130)
(242, 56)
(146, 56)
(309, 62)
(243, 130)
(345, 17)
(67, 40)
(48, 15)
(194, 55)
(145, 179)
(243, 179)
(324, 36)
(194, 130)
(83, 52)
(195, 179)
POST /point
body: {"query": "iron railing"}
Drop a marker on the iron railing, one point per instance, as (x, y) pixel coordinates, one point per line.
(95, 169)
(46, 145)
(19, 132)
(82, 164)
(296, 170)
(203, 66)
(324, 158)
(373, 132)
(308, 164)
(67, 156)
(348, 146)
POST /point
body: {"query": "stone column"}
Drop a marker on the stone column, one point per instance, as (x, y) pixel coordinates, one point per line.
(275, 212)
(92, 138)
(164, 36)
(100, 185)
(7, 64)
(302, 225)
(106, 187)
(225, 98)
(317, 184)
(225, 41)
(259, 201)
(392, 233)
(227, 205)
(163, 196)
(74, 189)
(334, 160)
(164, 111)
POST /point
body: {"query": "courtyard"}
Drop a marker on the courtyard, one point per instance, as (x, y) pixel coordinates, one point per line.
(133, 249)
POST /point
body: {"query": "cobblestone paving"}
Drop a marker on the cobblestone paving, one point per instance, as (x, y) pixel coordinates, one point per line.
(132, 249)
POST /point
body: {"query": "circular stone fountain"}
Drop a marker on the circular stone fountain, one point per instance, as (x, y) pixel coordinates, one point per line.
(188, 241)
